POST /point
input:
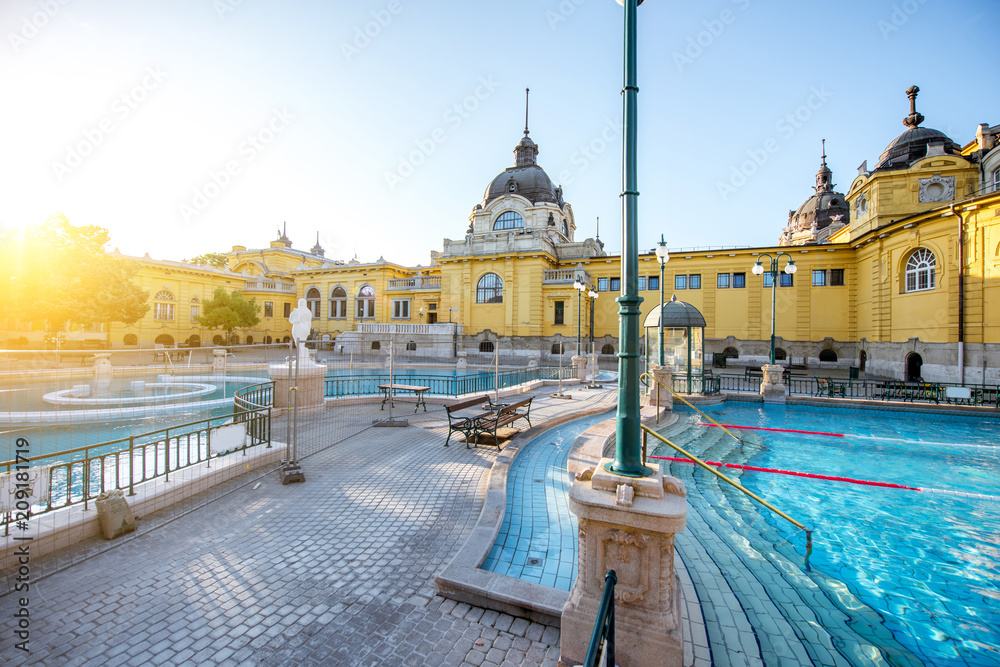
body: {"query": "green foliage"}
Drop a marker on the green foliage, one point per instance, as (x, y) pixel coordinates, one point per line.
(57, 272)
(217, 259)
(229, 311)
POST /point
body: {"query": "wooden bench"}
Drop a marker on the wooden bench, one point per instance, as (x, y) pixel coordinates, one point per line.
(465, 425)
(505, 416)
(391, 390)
(830, 388)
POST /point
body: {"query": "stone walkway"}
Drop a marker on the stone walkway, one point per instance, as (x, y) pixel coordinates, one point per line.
(336, 571)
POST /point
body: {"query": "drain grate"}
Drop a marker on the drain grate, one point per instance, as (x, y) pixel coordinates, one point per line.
(534, 562)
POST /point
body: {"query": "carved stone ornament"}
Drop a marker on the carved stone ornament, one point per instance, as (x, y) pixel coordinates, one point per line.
(627, 553)
(625, 495)
(937, 188)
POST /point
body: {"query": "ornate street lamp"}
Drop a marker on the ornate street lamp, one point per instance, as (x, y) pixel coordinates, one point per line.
(593, 352)
(628, 448)
(581, 288)
(759, 269)
(662, 256)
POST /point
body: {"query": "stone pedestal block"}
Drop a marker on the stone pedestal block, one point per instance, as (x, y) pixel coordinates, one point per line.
(772, 389)
(580, 364)
(627, 525)
(311, 392)
(658, 395)
(219, 361)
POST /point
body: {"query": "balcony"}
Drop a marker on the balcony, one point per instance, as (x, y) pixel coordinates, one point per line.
(441, 328)
(268, 286)
(415, 283)
(565, 276)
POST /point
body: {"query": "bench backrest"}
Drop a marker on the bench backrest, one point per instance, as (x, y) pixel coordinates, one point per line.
(463, 405)
(519, 404)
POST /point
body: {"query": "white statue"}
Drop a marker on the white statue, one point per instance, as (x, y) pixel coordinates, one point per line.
(301, 319)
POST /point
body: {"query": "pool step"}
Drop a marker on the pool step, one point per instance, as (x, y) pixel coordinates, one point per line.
(796, 616)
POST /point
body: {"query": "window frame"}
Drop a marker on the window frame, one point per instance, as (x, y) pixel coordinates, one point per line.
(489, 291)
(400, 309)
(602, 284)
(819, 278)
(509, 222)
(920, 269)
(642, 283)
(268, 309)
(680, 281)
(559, 313)
(837, 278)
(694, 281)
(338, 303)
(653, 283)
(741, 278)
(723, 280)
(313, 303)
(364, 303)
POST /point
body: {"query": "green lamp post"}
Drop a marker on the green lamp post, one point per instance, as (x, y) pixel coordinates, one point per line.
(662, 256)
(758, 269)
(628, 448)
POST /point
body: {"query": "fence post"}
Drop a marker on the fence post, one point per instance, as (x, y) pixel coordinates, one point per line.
(131, 465)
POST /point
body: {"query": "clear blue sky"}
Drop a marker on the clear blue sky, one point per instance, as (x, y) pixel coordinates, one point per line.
(128, 114)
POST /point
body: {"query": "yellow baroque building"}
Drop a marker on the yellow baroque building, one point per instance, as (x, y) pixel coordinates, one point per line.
(895, 277)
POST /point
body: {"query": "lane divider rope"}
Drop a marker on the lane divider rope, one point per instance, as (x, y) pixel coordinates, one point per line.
(781, 430)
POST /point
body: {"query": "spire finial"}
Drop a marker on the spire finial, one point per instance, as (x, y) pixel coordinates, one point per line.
(526, 91)
(914, 119)
(824, 152)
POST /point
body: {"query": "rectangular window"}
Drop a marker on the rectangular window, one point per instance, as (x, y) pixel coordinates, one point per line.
(836, 277)
(819, 278)
(653, 282)
(194, 313)
(680, 282)
(287, 309)
(694, 281)
(602, 284)
(163, 312)
(642, 283)
(559, 313)
(787, 280)
(268, 309)
(400, 309)
(616, 285)
(722, 281)
(739, 280)
(432, 307)
(767, 279)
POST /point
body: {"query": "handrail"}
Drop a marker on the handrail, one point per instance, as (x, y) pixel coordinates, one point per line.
(676, 395)
(604, 625)
(739, 487)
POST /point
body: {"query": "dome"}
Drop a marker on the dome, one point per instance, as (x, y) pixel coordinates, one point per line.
(823, 209)
(915, 143)
(676, 314)
(525, 178)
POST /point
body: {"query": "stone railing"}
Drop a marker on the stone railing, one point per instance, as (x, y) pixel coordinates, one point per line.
(445, 328)
(416, 283)
(565, 276)
(268, 286)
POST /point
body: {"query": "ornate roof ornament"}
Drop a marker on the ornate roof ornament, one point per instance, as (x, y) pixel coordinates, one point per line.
(914, 119)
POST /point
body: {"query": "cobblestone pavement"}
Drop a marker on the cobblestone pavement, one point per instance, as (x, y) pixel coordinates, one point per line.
(336, 571)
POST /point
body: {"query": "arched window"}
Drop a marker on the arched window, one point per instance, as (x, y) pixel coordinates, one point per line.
(268, 340)
(163, 307)
(411, 346)
(489, 289)
(509, 220)
(249, 340)
(486, 346)
(780, 354)
(608, 349)
(164, 339)
(376, 345)
(557, 348)
(195, 308)
(338, 303)
(130, 339)
(218, 340)
(234, 340)
(312, 301)
(194, 340)
(920, 270)
(565, 229)
(731, 352)
(365, 302)
(827, 355)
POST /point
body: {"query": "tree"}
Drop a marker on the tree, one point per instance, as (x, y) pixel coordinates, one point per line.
(57, 272)
(219, 260)
(229, 311)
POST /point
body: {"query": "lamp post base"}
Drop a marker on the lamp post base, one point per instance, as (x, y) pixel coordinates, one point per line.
(772, 389)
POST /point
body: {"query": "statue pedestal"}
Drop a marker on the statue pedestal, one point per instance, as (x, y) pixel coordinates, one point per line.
(772, 389)
(658, 394)
(580, 363)
(463, 361)
(311, 392)
(627, 525)
(219, 361)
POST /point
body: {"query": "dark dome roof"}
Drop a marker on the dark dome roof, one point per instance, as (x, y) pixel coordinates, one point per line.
(823, 201)
(911, 145)
(530, 182)
(675, 314)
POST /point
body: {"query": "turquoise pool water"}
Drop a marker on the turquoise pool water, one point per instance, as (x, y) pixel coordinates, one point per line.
(928, 562)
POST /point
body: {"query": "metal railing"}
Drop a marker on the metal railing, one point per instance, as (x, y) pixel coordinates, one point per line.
(702, 384)
(739, 487)
(565, 276)
(604, 626)
(415, 283)
(647, 376)
(442, 385)
(79, 475)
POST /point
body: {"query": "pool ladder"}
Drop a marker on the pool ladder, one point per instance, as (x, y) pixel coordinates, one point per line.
(648, 431)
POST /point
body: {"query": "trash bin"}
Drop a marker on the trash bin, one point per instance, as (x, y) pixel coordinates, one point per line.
(853, 373)
(718, 360)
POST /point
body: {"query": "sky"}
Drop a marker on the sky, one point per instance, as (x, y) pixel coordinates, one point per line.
(188, 126)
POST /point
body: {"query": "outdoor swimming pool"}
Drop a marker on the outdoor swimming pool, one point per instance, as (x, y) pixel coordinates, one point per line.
(898, 576)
